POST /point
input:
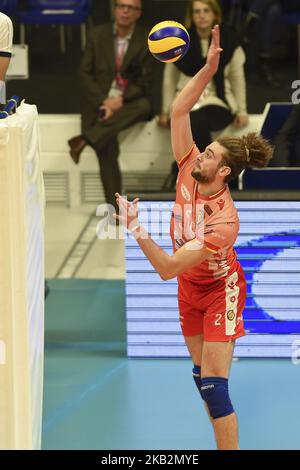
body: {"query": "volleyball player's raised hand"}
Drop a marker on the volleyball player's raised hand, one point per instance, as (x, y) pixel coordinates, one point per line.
(213, 55)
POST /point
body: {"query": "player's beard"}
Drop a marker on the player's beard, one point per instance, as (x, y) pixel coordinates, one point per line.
(200, 178)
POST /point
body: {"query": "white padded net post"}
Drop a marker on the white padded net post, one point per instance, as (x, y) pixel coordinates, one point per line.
(21, 281)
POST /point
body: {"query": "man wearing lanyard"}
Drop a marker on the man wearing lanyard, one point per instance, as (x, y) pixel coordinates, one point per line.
(116, 78)
(6, 37)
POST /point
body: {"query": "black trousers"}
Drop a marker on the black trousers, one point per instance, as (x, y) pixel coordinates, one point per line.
(206, 120)
(103, 137)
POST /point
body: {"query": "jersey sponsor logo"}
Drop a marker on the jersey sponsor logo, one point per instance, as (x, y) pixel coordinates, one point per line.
(185, 193)
(231, 315)
(207, 209)
(231, 284)
(221, 203)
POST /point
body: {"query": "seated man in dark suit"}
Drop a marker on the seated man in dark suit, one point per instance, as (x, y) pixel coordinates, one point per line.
(287, 141)
(116, 81)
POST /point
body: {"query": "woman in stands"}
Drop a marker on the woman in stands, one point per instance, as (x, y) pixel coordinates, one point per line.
(223, 102)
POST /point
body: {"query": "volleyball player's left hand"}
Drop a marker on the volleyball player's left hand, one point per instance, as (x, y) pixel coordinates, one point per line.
(128, 215)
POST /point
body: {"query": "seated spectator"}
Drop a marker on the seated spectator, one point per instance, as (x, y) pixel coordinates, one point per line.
(262, 19)
(287, 141)
(116, 82)
(6, 37)
(224, 100)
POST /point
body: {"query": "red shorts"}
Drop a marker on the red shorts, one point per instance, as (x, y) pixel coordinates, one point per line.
(214, 308)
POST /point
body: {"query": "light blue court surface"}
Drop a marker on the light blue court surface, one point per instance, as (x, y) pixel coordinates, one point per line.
(96, 398)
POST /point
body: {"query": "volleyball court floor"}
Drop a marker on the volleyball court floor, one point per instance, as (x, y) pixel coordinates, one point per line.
(97, 398)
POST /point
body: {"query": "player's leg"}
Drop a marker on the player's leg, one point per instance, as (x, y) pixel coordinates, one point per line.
(191, 322)
(216, 362)
(195, 346)
(223, 324)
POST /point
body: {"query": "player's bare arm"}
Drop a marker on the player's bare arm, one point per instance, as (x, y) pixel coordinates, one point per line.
(168, 267)
(181, 134)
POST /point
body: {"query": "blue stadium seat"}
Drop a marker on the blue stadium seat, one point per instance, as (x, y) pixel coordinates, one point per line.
(273, 178)
(57, 12)
(9, 7)
(275, 115)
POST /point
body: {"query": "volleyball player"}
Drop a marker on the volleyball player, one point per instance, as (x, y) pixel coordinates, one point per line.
(204, 227)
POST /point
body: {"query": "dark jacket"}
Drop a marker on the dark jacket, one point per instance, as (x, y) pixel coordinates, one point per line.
(97, 69)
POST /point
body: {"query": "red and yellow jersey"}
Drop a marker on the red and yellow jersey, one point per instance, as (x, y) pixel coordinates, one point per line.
(213, 220)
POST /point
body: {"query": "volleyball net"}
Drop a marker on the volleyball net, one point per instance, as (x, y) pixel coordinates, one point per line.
(21, 281)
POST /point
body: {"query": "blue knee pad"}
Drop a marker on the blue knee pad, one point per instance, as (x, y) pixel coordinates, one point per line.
(214, 391)
(197, 377)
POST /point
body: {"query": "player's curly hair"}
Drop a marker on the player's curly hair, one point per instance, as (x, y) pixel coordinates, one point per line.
(249, 151)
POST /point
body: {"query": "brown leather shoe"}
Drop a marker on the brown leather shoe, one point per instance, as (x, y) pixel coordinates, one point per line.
(76, 144)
